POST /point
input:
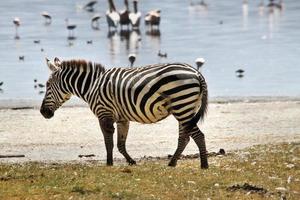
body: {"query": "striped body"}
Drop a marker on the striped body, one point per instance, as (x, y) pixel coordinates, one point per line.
(149, 94)
(120, 95)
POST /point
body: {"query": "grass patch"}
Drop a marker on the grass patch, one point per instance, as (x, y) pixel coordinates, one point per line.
(273, 169)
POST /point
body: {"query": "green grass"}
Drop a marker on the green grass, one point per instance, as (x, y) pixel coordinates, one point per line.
(266, 166)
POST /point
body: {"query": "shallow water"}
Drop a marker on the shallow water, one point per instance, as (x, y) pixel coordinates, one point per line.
(266, 45)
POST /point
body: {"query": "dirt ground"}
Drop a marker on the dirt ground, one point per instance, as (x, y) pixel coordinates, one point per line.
(75, 130)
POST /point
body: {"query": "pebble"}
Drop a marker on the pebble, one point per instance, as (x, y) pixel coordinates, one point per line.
(290, 166)
(289, 180)
(281, 189)
(217, 184)
(191, 182)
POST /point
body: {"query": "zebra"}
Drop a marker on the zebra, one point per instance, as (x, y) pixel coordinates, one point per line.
(143, 94)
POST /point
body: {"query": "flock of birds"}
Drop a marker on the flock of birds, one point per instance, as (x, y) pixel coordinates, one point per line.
(131, 21)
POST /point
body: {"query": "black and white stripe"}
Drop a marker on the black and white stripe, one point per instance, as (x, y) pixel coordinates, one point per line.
(144, 94)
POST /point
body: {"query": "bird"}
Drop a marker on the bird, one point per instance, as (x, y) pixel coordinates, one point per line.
(95, 21)
(199, 62)
(135, 16)
(162, 55)
(21, 58)
(36, 41)
(90, 6)
(1, 83)
(112, 16)
(17, 23)
(152, 18)
(131, 58)
(41, 85)
(124, 15)
(71, 28)
(89, 41)
(273, 5)
(48, 18)
(240, 71)
(240, 75)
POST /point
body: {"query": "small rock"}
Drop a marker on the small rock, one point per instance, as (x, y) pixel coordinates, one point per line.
(290, 166)
(191, 182)
(289, 180)
(281, 189)
(217, 185)
(253, 163)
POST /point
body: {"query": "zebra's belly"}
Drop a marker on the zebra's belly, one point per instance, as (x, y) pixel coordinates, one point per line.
(157, 113)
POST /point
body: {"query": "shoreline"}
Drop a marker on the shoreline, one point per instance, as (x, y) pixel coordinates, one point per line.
(75, 102)
(75, 130)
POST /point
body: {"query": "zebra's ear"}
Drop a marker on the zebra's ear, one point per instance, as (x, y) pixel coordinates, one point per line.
(57, 62)
(51, 66)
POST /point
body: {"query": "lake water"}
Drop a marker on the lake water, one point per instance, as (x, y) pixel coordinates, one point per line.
(228, 34)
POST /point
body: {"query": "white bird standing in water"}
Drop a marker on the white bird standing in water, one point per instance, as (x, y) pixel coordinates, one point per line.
(48, 18)
(112, 16)
(199, 62)
(152, 18)
(17, 23)
(135, 16)
(124, 15)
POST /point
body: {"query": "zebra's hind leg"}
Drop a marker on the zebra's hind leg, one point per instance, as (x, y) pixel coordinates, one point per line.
(199, 139)
(183, 140)
(122, 128)
(107, 127)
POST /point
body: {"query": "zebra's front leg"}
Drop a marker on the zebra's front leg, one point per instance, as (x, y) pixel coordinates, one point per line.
(107, 127)
(183, 140)
(122, 128)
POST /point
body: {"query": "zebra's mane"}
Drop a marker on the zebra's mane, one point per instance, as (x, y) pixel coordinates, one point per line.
(82, 64)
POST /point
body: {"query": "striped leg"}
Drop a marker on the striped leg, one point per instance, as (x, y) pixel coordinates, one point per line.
(107, 127)
(183, 140)
(122, 128)
(199, 139)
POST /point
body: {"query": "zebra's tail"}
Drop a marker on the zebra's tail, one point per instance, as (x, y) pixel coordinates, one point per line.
(204, 103)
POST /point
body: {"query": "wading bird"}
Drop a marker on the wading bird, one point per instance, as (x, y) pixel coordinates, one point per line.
(48, 18)
(17, 23)
(95, 21)
(135, 16)
(112, 16)
(152, 18)
(71, 28)
(131, 58)
(199, 62)
(90, 6)
(124, 16)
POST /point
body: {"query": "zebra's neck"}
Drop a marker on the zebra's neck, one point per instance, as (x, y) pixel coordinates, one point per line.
(80, 80)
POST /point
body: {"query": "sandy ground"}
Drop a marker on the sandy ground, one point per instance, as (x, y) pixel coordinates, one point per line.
(75, 130)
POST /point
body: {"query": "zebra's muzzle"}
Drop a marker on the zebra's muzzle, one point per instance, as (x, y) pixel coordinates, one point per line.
(46, 112)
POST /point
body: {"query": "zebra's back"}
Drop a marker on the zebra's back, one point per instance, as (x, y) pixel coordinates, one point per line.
(151, 93)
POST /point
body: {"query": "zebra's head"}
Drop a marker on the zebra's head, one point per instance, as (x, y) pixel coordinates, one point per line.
(55, 96)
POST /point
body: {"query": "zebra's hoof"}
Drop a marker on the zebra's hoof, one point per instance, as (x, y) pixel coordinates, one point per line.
(204, 166)
(172, 164)
(132, 162)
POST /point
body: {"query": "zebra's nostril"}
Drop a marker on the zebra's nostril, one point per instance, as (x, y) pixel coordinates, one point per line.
(46, 112)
